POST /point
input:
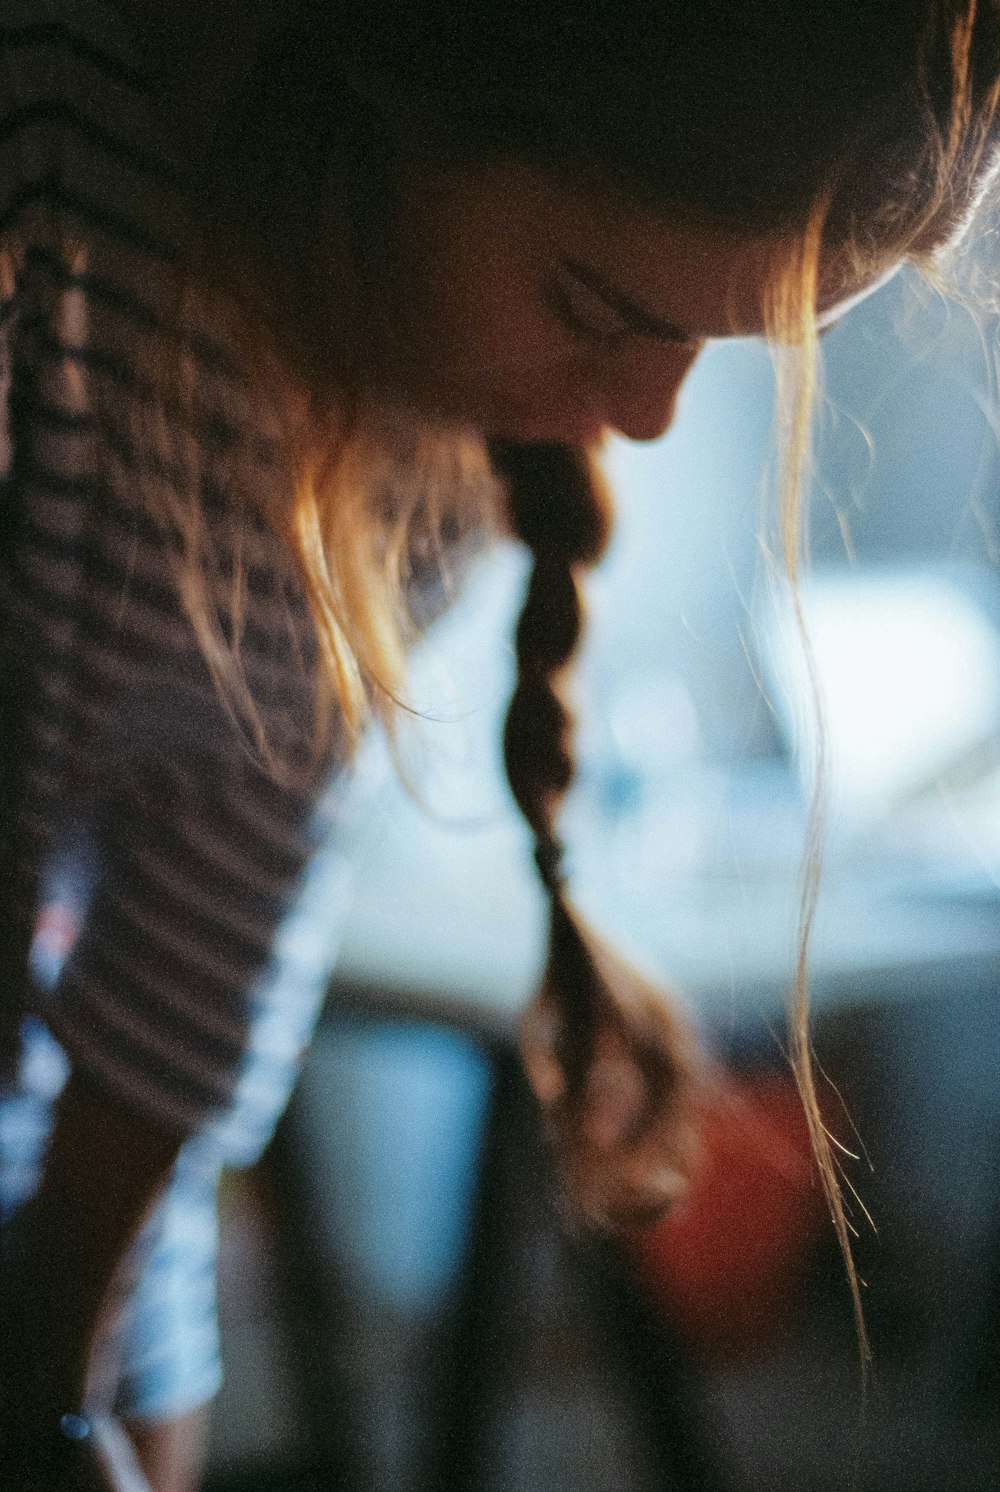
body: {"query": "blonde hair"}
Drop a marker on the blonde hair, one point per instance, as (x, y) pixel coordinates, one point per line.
(962, 171)
(361, 517)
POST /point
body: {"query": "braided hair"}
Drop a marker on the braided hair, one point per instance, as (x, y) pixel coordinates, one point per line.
(614, 1064)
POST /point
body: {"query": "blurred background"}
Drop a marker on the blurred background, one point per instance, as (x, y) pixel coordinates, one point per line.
(404, 1307)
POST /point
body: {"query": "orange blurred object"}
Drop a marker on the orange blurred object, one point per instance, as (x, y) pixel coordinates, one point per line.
(728, 1263)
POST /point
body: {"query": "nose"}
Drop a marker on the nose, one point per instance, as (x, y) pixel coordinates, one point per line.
(639, 388)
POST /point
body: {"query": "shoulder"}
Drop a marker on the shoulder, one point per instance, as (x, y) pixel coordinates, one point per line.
(85, 29)
(62, 51)
(75, 134)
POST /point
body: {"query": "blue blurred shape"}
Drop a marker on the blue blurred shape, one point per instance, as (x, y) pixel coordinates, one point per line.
(394, 1114)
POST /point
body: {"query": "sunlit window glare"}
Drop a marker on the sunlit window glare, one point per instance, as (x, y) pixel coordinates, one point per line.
(908, 674)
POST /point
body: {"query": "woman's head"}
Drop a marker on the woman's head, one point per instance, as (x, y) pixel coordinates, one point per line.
(864, 128)
(523, 218)
(540, 309)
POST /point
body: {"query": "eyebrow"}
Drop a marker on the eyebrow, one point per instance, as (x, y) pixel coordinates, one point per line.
(638, 320)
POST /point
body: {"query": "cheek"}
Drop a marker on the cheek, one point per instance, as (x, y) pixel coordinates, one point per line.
(488, 346)
(503, 330)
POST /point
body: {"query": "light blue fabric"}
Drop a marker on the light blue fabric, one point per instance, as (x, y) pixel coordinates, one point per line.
(165, 1353)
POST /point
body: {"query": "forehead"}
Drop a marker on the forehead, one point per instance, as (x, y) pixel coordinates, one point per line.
(707, 276)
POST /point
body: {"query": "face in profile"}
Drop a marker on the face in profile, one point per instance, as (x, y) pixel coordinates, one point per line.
(530, 308)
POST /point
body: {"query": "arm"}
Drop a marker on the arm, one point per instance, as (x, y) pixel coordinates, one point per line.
(158, 1009)
(105, 1168)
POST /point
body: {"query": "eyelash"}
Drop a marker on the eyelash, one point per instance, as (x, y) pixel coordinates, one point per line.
(596, 323)
(564, 298)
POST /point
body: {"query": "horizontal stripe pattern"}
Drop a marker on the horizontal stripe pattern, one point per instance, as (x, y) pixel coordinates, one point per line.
(188, 992)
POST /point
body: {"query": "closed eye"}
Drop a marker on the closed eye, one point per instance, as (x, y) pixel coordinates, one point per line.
(598, 305)
(584, 312)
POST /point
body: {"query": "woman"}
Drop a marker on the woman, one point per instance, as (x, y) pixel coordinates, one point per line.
(271, 287)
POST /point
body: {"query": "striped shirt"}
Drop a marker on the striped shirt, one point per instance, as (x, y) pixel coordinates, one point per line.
(176, 995)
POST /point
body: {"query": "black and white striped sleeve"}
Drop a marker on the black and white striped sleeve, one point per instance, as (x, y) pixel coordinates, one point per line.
(167, 999)
(162, 1001)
